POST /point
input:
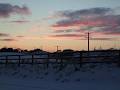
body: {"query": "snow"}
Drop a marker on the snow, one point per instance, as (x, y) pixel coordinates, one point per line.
(70, 77)
(38, 77)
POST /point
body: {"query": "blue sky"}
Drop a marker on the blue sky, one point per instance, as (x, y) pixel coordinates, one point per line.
(37, 27)
(41, 8)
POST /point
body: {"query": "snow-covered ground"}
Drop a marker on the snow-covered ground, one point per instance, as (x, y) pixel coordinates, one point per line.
(38, 77)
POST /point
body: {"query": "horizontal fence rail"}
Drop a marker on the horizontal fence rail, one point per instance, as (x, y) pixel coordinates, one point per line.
(80, 57)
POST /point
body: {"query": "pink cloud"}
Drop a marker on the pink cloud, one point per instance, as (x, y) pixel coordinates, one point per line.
(96, 20)
(20, 21)
(102, 21)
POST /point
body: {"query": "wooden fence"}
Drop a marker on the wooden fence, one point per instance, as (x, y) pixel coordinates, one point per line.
(81, 57)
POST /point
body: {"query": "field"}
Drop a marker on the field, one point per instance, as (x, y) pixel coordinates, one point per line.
(91, 76)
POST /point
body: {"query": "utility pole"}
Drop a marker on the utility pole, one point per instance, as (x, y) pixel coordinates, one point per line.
(57, 48)
(57, 54)
(88, 41)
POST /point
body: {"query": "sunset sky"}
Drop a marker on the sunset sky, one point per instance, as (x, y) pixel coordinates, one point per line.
(44, 24)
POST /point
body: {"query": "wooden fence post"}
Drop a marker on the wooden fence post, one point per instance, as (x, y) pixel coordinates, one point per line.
(61, 60)
(47, 63)
(19, 60)
(81, 55)
(119, 58)
(6, 60)
(32, 59)
(56, 56)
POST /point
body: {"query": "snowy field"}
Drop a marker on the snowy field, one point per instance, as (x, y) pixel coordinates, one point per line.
(37, 77)
(70, 77)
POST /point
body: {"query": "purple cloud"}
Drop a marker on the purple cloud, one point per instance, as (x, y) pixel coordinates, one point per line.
(8, 40)
(98, 20)
(6, 10)
(20, 36)
(84, 12)
(68, 35)
(4, 35)
(20, 21)
(102, 38)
